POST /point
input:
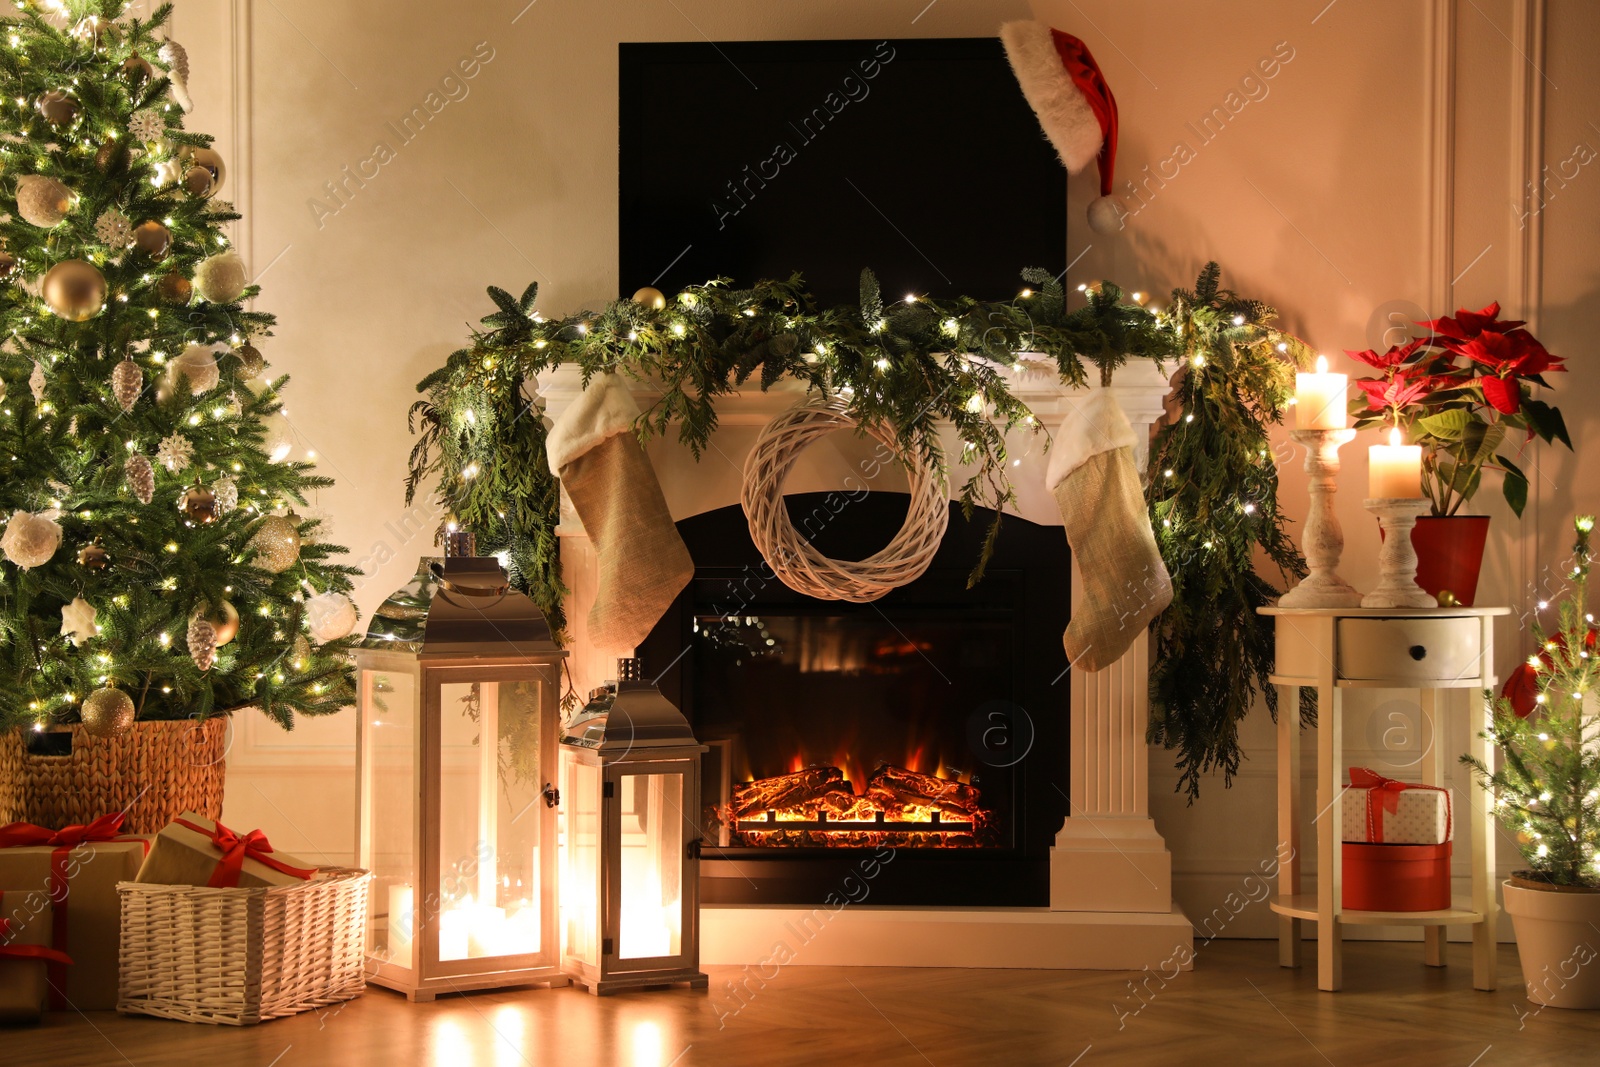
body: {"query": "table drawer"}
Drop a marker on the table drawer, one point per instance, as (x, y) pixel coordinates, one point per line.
(1410, 650)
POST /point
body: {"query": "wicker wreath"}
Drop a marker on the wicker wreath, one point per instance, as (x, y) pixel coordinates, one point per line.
(792, 558)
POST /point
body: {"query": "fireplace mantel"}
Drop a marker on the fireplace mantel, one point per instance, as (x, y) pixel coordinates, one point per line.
(1111, 881)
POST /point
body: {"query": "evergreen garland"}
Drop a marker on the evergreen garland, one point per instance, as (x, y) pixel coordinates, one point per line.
(63, 453)
(1212, 486)
(914, 365)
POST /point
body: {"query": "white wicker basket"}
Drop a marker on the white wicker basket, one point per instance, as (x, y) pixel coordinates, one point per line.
(242, 956)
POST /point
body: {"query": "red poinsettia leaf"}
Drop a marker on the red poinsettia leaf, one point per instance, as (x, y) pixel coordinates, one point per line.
(1522, 690)
(1492, 350)
(1505, 394)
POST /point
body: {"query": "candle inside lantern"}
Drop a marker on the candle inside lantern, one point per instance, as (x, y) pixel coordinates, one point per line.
(1319, 399)
(1394, 470)
(402, 924)
(453, 927)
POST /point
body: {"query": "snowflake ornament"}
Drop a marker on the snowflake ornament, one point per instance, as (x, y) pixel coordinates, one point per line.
(77, 621)
(175, 453)
(147, 125)
(113, 229)
(219, 207)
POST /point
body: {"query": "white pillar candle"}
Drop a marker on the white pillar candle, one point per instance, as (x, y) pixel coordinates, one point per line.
(453, 931)
(402, 924)
(1394, 470)
(1319, 399)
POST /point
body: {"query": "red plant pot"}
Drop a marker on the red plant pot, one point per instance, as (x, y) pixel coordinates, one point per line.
(1449, 554)
(1396, 877)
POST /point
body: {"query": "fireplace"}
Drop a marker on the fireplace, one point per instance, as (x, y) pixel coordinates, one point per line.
(930, 722)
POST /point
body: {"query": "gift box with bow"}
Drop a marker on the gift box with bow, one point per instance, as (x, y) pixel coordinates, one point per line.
(193, 850)
(1378, 810)
(26, 952)
(74, 871)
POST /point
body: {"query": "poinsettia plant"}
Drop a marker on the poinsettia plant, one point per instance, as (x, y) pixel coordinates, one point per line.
(1464, 392)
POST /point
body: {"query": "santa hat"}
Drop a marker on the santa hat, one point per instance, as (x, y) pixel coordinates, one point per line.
(1074, 104)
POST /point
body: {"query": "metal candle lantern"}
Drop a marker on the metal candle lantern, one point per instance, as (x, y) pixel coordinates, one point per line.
(459, 683)
(630, 789)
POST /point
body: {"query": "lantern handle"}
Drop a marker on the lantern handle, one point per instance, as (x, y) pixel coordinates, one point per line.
(552, 795)
(464, 589)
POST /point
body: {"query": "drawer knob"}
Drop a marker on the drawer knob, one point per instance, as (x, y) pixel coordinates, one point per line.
(1418, 652)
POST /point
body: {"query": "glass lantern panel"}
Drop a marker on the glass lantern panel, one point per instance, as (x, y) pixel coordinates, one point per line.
(388, 702)
(650, 922)
(489, 818)
(580, 859)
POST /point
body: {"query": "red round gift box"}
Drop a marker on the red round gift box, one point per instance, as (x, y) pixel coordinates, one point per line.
(1396, 877)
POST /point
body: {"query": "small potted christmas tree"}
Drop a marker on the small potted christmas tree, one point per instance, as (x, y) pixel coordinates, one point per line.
(1547, 793)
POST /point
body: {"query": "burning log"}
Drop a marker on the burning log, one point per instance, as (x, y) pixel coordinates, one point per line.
(787, 790)
(843, 804)
(911, 787)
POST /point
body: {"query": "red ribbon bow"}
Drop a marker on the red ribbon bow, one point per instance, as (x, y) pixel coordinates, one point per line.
(235, 849)
(27, 835)
(27, 952)
(1386, 793)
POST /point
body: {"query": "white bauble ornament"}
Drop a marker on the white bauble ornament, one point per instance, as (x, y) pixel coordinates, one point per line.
(30, 540)
(42, 201)
(330, 616)
(1106, 214)
(176, 59)
(166, 172)
(279, 439)
(198, 364)
(77, 621)
(221, 278)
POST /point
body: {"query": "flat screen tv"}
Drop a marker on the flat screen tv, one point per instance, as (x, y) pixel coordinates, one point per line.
(754, 159)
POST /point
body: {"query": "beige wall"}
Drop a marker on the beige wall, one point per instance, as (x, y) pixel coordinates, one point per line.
(1318, 195)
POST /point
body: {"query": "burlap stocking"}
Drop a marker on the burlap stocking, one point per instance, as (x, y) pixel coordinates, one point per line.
(1124, 584)
(604, 471)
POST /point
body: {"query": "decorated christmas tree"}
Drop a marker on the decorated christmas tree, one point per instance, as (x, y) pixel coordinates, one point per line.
(154, 566)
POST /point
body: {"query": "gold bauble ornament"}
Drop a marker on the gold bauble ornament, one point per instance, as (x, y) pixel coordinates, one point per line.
(276, 543)
(136, 70)
(107, 713)
(198, 365)
(109, 153)
(199, 507)
(1447, 599)
(58, 107)
(42, 201)
(651, 297)
(74, 290)
(153, 239)
(208, 160)
(175, 289)
(94, 557)
(251, 361)
(224, 620)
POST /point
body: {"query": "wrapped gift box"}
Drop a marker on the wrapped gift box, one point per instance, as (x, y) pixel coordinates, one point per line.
(77, 874)
(1396, 877)
(1377, 810)
(25, 928)
(194, 850)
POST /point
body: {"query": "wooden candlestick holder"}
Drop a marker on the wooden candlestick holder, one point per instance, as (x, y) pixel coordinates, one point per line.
(1323, 539)
(1397, 561)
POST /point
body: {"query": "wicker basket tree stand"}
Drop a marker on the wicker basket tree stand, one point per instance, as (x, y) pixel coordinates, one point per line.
(154, 772)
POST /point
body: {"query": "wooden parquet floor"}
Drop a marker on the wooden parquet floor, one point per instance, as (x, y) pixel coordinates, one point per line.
(1236, 1007)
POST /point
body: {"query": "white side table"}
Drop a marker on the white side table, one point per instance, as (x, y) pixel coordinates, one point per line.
(1333, 649)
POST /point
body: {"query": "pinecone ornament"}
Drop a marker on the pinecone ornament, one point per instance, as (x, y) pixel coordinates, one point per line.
(227, 493)
(141, 477)
(176, 57)
(202, 642)
(127, 382)
(36, 382)
(113, 229)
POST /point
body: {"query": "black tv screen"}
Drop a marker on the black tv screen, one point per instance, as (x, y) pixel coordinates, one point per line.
(755, 159)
